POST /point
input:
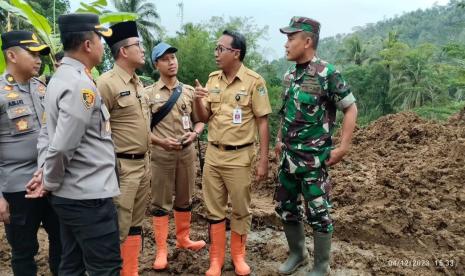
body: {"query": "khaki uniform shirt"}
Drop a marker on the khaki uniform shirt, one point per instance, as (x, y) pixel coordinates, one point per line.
(171, 125)
(124, 97)
(248, 92)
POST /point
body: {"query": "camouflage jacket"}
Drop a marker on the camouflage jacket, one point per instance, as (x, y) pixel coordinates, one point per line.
(310, 100)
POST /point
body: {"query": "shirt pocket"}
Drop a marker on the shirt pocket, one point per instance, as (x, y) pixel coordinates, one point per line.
(21, 120)
(215, 102)
(157, 104)
(242, 99)
(126, 101)
(307, 104)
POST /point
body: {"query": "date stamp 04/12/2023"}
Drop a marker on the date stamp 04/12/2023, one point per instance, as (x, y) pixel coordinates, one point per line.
(421, 262)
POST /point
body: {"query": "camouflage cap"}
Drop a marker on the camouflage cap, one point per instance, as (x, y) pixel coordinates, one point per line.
(301, 24)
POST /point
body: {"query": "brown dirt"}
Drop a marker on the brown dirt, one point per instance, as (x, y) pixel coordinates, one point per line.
(398, 198)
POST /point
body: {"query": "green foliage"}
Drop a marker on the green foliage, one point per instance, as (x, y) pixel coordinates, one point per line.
(274, 94)
(246, 26)
(147, 24)
(410, 61)
(50, 9)
(442, 112)
(195, 53)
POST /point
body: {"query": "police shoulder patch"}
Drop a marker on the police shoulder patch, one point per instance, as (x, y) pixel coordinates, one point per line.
(88, 97)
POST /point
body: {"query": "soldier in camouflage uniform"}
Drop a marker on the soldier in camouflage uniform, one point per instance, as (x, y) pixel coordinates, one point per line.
(313, 90)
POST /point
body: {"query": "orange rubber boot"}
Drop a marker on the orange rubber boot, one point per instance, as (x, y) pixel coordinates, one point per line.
(183, 224)
(238, 253)
(160, 230)
(130, 254)
(217, 248)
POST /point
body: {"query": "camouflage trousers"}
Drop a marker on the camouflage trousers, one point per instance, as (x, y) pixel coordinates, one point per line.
(316, 196)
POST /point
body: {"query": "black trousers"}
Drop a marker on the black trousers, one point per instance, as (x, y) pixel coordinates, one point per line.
(26, 216)
(90, 236)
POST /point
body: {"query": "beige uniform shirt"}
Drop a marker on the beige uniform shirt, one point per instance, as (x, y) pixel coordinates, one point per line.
(171, 125)
(246, 92)
(129, 114)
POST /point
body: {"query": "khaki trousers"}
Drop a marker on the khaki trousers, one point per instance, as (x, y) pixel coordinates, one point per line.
(173, 174)
(229, 173)
(134, 176)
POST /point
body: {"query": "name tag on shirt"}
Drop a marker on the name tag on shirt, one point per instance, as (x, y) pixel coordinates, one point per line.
(124, 93)
(237, 115)
(186, 122)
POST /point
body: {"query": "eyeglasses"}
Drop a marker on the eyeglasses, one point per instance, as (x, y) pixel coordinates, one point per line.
(138, 44)
(220, 49)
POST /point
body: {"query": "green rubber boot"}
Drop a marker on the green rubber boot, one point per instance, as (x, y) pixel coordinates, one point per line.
(298, 254)
(322, 251)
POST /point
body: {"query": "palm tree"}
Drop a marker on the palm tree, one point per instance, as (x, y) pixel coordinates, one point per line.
(148, 16)
(147, 24)
(354, 51)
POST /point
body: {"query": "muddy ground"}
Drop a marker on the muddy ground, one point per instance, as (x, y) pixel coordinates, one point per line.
(399, 201)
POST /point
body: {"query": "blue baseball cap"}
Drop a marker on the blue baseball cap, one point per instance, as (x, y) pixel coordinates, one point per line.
(160, 49)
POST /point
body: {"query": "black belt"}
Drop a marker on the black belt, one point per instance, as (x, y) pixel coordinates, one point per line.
(132, 156)
(229, 147)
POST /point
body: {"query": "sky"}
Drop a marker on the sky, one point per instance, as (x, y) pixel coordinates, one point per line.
(335, 16)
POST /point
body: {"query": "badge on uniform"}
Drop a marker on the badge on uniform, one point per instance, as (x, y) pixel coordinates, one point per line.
(22, 125)
(216, 89)
(237, 112)
(12, 95)
(7, 88)
(237, 115)
(88, 97)
(262, 91)
(124, 93)
(10, 79)
(41, 89)
(186, 122)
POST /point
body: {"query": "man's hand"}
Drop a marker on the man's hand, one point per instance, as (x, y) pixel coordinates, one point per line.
(35, 187)
(336, 155)
(278, 148)
(4, 211)
(200, 91)
(262, 170)
(188, 137)
(170, 144)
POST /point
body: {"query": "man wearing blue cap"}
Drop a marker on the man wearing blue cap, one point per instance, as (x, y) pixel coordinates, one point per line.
(21, 113)
(122, 93)
(174, 128)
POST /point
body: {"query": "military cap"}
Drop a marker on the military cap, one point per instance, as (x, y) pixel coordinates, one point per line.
(82, 22)
(121, 31)
(301, 24)
(24, 39)
(160, 49)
